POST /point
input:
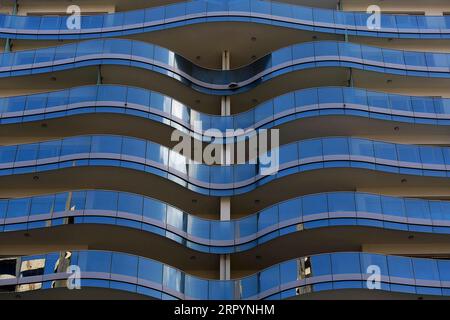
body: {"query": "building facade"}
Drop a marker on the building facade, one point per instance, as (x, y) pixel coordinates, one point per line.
(351, 200)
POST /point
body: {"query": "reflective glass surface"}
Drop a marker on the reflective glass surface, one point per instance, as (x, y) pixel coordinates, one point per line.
(191, 12)
(170, 64)
(129, 210)
(148, 104)
(142, 155)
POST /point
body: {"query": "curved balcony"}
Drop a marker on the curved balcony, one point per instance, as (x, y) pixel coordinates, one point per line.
(164, 62)
(218, 237)
(291, 279)
(209, 11)
(163, 110)
(149, 157)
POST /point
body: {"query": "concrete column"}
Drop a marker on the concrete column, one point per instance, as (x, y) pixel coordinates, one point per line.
(225, 259)
(226, 60)
(225, 106)
(225, 202)
(226, 101)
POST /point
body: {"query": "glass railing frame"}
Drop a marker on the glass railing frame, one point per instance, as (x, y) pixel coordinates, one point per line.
(191, 12)
(331, 271)
(167, 63)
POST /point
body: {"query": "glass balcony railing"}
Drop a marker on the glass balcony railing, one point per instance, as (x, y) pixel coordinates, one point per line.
(204, 11)
(213, 236)
(290, 279)
(131, 53)
(220, 180)
(163, 109)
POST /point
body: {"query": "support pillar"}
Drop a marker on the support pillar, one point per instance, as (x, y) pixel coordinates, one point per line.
(225, 202)
(225, 259)
(226, 100)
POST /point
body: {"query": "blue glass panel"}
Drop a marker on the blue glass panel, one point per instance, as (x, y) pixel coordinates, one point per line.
(111, 93)
(106, 144)
(8, 154)
(134, 147)
(290, 209)
(320, 265)
(400, 267)
(101, 200)
(77, 200)
(94, 261)
(18, 208)
(306, 97)
(36, 101)
(313, 204)
(343, 263)
(335, 146)
(150, 270)
(14, 104)
(370, 260)
(247, 226)
(268, 218)
(131, 203)
(269, 278)
(124, 264)
(26, 152)
(393, 206)
(175, 218)
(222, 231)
(408, 153)
(196, 288)
(42, 205)
(49, 149)
(385, 150)
(416, 208)
(172, 278)
(310, 148)
(444, 270)
(284, 102)
(342, 201)
(3, 208)
(157, 153)
(368, 203)
(154, 209)
(330, 95)
(221, 290)
(198, 227)
(249, 287)
(361, 147)
(431, 155)
(76, 145)
(426, 269)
